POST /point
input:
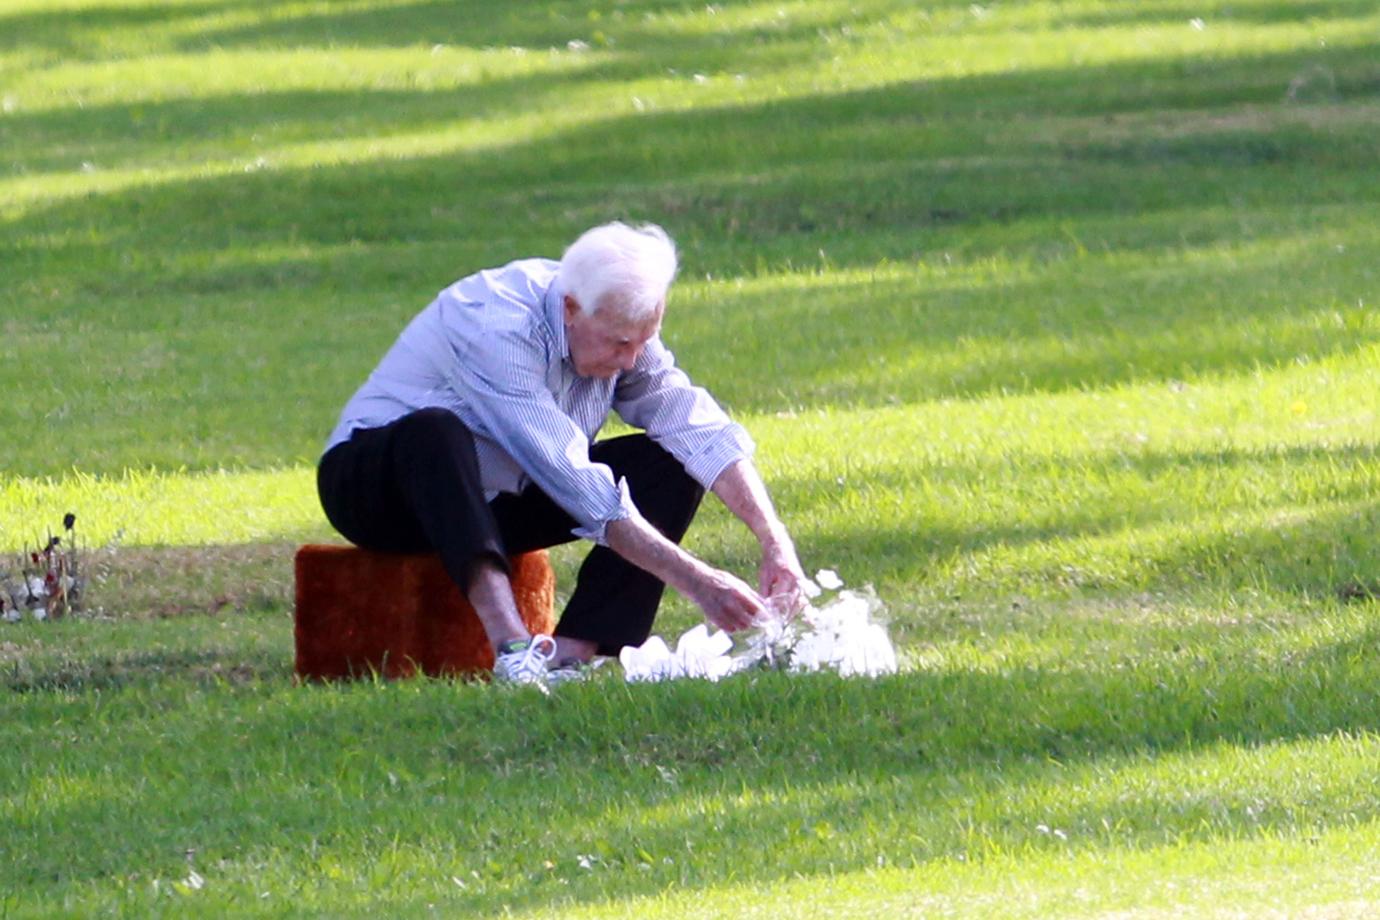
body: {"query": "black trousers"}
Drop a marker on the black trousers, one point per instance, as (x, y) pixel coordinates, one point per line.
(413, 486)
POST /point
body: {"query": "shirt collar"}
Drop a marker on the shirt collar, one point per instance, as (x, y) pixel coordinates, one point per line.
(555, 318)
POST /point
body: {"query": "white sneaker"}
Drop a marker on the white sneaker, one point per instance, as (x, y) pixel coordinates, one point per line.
(524, 661)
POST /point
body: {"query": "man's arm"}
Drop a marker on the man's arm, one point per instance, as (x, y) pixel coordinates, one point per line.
(727, 601)
(685, 419)
(780, 578)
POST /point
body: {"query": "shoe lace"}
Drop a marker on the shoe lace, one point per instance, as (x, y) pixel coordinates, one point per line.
(532, 663)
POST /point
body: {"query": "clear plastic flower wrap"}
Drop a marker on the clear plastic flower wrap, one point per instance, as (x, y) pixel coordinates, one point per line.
(842, 633)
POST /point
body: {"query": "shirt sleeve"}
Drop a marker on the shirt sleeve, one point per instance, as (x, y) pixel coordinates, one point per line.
(502, 382)
(659, 398)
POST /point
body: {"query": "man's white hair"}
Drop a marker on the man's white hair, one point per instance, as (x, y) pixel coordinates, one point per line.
(622, 268)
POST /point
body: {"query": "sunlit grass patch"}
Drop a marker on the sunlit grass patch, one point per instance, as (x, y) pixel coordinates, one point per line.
(1329, 880)
(170, 508)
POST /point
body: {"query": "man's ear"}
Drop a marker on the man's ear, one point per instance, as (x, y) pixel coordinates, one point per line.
(572, 308)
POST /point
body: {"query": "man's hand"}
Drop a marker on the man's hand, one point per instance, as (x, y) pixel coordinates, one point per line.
(781, 579)
(727, 601)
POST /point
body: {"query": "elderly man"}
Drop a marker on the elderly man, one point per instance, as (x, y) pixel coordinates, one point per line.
(473, 436)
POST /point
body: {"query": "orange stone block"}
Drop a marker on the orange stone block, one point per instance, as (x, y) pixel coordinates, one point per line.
(360, 612)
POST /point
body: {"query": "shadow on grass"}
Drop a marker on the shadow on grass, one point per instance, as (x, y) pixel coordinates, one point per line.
(123, 136)
(310, 258)
(169, 582)
(818, 774)
(913, 155)
(636, 30)
(105, 673)
(781, 177)
(264, 281)
(635, 26)
(67, 33)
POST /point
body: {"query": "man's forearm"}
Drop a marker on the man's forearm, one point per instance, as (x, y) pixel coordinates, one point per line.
(644, 546)
(742, 491)
(727, 602)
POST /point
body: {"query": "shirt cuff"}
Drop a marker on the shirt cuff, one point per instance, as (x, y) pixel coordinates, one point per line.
(732, 445)
(598, 529)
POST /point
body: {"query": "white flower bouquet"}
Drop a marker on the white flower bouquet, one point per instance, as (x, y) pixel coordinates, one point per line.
(841, 633)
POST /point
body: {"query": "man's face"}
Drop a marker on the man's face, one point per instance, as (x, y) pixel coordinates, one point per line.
(603, 344)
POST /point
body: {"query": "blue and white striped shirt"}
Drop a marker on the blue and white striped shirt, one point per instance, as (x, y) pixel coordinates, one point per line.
(492, 349)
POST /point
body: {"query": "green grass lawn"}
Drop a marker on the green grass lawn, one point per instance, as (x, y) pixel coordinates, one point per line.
(1055, 321)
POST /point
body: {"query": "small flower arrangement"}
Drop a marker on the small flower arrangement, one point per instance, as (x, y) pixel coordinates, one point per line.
(49, 584)
(839, 633)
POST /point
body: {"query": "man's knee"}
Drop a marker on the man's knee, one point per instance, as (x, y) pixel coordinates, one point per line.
(644, 463)
(433, 442)
(666, 494)
(433, 426)
(431, 419)
(670, 472)
(631, 453)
